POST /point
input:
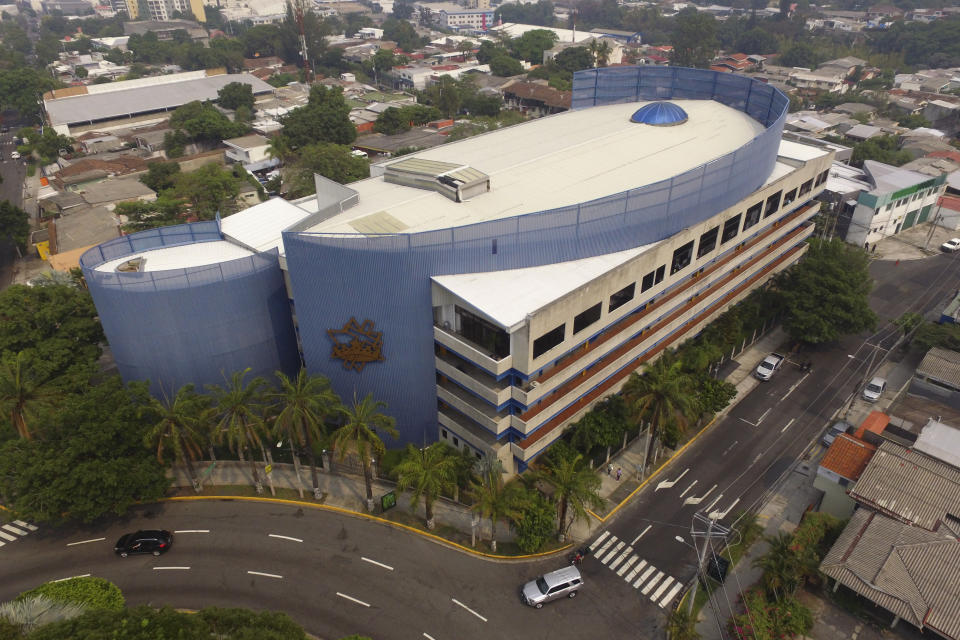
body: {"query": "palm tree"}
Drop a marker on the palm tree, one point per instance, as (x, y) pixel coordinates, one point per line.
(493, 498)
(661, 395)
(22, 391)
(359, 435)
(575, 487)
(781, 570)
(430, 472)
(238, 411)
(600, 50)
(179, 428)
(303, 403)
(36, 611)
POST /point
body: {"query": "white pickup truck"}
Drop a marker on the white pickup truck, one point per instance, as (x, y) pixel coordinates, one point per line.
(770, 364)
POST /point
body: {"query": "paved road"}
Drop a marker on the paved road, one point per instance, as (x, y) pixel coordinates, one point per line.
(734, 465)
(318, 572)
(13, 172)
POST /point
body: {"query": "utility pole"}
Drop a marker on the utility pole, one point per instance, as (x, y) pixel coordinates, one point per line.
(714, 530)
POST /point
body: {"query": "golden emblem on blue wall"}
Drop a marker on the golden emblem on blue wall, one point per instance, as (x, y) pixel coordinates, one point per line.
(356, 344)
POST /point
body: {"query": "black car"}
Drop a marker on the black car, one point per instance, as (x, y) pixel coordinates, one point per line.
(152, 541)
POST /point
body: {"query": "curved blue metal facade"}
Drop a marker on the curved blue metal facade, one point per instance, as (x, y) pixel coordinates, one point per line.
(194, 324)
(386, 278)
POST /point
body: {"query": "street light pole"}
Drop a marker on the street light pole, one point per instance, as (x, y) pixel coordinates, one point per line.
(702, 560)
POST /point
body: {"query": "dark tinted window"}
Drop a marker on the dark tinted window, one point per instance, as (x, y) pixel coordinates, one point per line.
(708, 242)
(660, 271)
(484, 334)
(548, 341)
(586, 318)
(730, 229)
(805, 187)
(790, 197)
(647, 282)
(681, 257)
(753, 215)
(773, 203)
(622, 297)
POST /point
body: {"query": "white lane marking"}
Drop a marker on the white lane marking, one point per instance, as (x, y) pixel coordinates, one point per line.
(626, 565)
(379, 564)
(265, 575)
(667, 599)
(460, 604)
(192, 531)
(621, 558)
(13, 529)
(797, 384)
(667, 484)
(652, 583)
(642, 533)
(688, 488)
(2, 543)
(752, 424)
(644, 576)
(596, 542)
(612, 553)
(603, 549)
(85, 575)
(730, 447)
(428, 636)
(763, 415)
(352, 599)
(701, 498)
(274, 535)
(637, 569)
(27, 525)
(170, 568)
(720, 515)
(70, 544)
(663, 587)
(788, 425)
(715, 501)
(7, 536)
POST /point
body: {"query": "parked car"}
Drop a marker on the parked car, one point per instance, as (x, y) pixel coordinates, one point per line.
(153, 541)
(551, 586)
(15, 155)
(837, 428)
(770, 364)
(950, 245)
(874, 389)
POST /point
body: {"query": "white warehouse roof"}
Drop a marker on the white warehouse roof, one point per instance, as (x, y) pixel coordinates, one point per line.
(143, 98)
(259, 227)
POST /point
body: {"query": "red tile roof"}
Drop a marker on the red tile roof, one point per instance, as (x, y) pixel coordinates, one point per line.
(876, 422)
(848, 456)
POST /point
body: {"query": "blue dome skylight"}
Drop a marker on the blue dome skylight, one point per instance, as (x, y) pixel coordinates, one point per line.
(659, 114)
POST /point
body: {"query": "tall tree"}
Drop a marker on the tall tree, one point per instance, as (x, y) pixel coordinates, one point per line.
(493, 498)
(303, 403)
(782, 573)
(23, 390)
(661, 395)
(575, 487)
(238, 410)
(14, 224)
(429, 472)
(325, 118)
(694, 39)
(235, 94)
(359, 435)
(334, 161)
(180, 428)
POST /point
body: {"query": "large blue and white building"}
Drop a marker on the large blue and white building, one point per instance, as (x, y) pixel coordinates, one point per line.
(488, 290)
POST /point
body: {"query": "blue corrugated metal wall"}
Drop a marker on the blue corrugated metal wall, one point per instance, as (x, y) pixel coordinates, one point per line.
(192, 325)
(386, 278)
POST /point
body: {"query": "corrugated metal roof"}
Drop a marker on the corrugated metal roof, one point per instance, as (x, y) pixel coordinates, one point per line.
(909, 485)
(906, 570)
(259, 227)
(941, 365)
(423, 167)
(116, 104)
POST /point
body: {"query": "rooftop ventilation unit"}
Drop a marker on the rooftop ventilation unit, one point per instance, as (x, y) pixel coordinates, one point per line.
(454, 181)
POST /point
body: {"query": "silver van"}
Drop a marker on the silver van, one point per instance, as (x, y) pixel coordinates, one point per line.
(550, 586)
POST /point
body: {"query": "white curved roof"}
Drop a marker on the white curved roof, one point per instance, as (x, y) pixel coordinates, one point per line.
(182, 256)
(552, 162)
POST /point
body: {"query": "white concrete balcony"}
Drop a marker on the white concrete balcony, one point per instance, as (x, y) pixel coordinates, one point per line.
(473, 407)
(473, 353)
(496, 392)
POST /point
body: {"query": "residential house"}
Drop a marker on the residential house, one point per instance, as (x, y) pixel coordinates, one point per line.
(535, 98)
(247, 149)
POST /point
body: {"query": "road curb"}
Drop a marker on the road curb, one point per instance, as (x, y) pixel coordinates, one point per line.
(357, 514)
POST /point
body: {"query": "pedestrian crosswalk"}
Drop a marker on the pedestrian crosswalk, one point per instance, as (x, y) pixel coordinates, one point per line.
(15, 530)
(650, 581)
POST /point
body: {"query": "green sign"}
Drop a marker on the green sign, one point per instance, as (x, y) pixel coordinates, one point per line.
(208, 470)
(388, 501)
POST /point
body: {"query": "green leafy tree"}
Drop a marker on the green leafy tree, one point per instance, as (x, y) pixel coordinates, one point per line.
(201, 122)
(428, 473)
(160, 176)
(661, 396)
(359, 434)
(540, 13)
(913, 121)
(179, 428)
(531, 45)
(391, 122)
(332, 161)
(534, 522)
(238, 409)
(325, 118)
(574, 59)
(694, 39)
(209, 189)
(403, 33)
(504, 66)
(600, 50)
(91, 461)
(88, 592)
(303, 403)
(14, 224)
(799, 54)
(826, 295)
(21, 87)
(23, 391)
(933, 334)
(235, 94)
(166, 210)
(575, 488)
(493, 498)
(883, 149)
(781, 570)
(757, 41)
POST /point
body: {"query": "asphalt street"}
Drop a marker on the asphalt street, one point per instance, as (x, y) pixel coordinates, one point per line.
(13, 173)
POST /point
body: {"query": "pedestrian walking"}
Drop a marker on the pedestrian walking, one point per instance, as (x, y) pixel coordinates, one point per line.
(610, 469)
(619, 473)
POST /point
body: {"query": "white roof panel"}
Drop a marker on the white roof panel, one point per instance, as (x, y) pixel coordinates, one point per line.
(557, 161)
(803, 152)
(508, 297)
(183, 256)
(260, 226)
